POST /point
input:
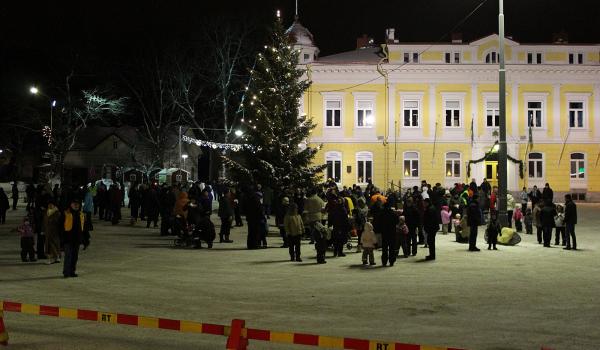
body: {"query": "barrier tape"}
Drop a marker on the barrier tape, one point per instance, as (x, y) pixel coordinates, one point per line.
(236, 331)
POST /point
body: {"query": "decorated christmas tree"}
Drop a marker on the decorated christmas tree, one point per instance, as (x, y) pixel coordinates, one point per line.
(274, 128)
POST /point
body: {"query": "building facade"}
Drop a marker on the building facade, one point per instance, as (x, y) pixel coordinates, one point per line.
(408, 112)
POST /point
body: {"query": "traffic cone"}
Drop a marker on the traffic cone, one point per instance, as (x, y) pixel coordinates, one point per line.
(3, 334)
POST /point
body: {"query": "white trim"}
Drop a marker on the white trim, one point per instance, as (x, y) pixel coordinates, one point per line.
(536, 97)
(411, 96)
(418, 159)
(333, 96)
(583, 98)
(535, 180)
(365, 97)
(460, 169)
(577, 182)
(515, 110)
(555, 110)
(460, 98)
(596, 110)
(335, 156)
(364, 156)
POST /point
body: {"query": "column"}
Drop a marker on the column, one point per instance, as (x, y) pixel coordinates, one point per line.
(556, 111)
(515, 113)
(474, 112)
(391, 106)
(596, 111)
(432, 112)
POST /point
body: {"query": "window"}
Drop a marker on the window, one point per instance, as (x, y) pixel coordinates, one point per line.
(411, 164)
(364, 166)
(452, 109)
(535, 164)
(452, 57)
(409, 55)
(334, 166)
(575, 58)
(534, 58)
(364, 114)
(453, 164)
(306, 57)
(576, 114)
(333, 113)
(178, 178)
(492, 111)
(577, 166)
(492, 57)
(534, 114)
(411, 114)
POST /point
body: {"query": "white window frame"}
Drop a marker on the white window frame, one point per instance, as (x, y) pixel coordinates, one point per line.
(575, 57)
(578, 98)
(453, 161)
(542, 164)
(490, 53)
(578, 161)
(454, 97)
(496, 110)
(451, 58)
(410, 171)
(334, 156)
(411, 57)
(536, 97)
(333, 97)
(536, 57)
(361, 97)
(364, 157)
(409, 97)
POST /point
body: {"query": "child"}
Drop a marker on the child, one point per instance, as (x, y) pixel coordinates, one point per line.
(322, 235)
(456, 223)
(492, 231)
(26, 233)
(402, 232)
(445, 214)
(518, 217)
(528, 222)
(294, 228)
(359, 223)
(465, 230)
(368, 241)
(559, 223)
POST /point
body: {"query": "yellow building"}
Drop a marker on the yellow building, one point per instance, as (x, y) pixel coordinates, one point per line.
(410, 112)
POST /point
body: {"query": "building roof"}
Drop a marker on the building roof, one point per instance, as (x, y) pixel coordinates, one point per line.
(91, 136)
(368, 55)
(300, 34)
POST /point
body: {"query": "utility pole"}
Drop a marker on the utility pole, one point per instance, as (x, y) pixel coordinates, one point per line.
(502, 155)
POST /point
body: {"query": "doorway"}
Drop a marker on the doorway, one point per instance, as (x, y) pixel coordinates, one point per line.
(491, 172)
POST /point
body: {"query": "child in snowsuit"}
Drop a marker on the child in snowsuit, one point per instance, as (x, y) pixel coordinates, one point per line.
(528, 222)
(518, 217)
(26, 233)
(368, 240)
(559, 223)
(445, 214)
(294, 229)
(492, 231)
(402, 233)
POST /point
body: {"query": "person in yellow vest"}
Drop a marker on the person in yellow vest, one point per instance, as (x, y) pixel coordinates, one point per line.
(73, 237)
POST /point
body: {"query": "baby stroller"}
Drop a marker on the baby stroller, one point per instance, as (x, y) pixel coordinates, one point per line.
(187, 235)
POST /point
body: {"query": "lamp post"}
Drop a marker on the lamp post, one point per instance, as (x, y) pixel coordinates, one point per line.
(35, 91)
(502, 152)
(184, 157)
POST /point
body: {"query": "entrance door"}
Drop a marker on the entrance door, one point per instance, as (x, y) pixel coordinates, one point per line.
(491, 172)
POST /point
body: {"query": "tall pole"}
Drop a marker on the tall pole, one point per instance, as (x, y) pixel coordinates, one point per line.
(179, 146)
(502, 155)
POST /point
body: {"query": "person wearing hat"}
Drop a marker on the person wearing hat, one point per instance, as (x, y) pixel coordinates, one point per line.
(431, 219)
(73, 236)
(51, 224)
(226, 214)
(281, 212)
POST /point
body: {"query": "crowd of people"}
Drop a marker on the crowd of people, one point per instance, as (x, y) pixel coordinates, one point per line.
(59, 220)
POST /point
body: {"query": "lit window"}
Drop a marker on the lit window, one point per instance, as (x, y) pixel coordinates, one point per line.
(577, 166)
(492, 57)
(452, 109)
(411, 164)
(535, 164)
(364, 167)
(453, 164)
(333, 113)
(492, 113)
(411, 114)
(576, 114)
(364, 114)
(334, 166)
(534, 114)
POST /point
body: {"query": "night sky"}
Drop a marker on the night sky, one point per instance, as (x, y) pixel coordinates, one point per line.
(36, 38)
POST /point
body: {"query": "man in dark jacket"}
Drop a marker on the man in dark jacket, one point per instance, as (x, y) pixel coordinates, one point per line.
(73, 237)
(167, 203)
(570, 222)
(4, 205)
(411, 214)
(15, 195)
(152, 205)
(547, 215)
(226, 215)
(535, 196)
(386, 224)
(474, 220)
(547, 194)
(431, 220)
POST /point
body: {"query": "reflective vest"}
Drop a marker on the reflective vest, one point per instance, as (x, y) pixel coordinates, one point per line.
(69, 220)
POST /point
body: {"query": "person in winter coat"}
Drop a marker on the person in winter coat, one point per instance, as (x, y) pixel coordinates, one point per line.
(167, 205)
(510, 208)
(547, 219)
(524, 197)
(493, 229)
(386, 223)
(535, 196)
(359, 215)
(115, 198)
(528, 220)
(152, 205)
(294, 229)
(15, 195)
(73, 236)
(445, 216)
(559, 223)
(368, 241)
(547, 194)
(474, 220)
(52, 230)
(135, 201)
(26, 234)
(4, 205)
(402, 234)
(518, 217)
(412, 216)
(537, 209)
(226, 214)
(431, 225)
(341, 226)
(570, 222)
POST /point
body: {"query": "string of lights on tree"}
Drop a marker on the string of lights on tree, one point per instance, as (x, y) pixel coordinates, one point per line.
(235, 147)
(47, 134)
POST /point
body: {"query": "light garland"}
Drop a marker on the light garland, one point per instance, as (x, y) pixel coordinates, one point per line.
(47, 133)
(236, 147)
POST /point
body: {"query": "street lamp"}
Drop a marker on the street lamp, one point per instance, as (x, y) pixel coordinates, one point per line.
(35, 91)
(184, 156)
(238, 133)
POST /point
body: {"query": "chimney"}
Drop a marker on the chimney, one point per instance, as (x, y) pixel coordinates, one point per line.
(457, 38)
(560, 38)
(364, 41)
(390, 36)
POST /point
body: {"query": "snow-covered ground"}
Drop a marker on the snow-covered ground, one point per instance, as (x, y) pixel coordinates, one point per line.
(519, 297)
